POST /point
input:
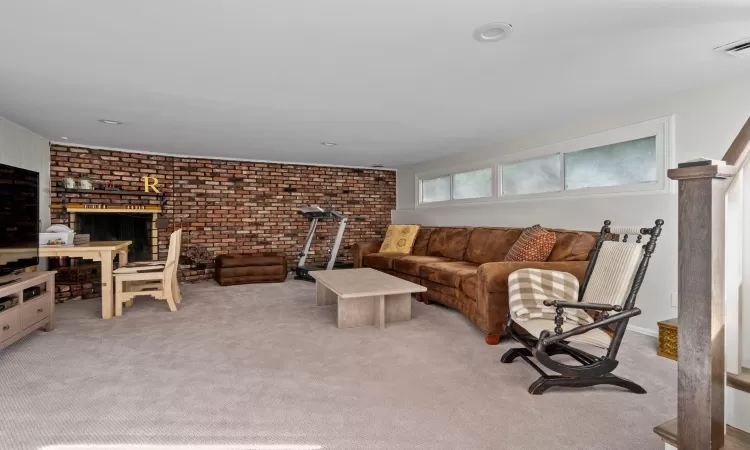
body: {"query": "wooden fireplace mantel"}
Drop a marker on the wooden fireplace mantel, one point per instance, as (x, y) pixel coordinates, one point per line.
(81, 208)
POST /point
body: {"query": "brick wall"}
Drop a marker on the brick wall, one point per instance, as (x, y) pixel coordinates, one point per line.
(236, 206)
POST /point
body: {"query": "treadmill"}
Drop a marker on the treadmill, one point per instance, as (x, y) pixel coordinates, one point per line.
(316, 214)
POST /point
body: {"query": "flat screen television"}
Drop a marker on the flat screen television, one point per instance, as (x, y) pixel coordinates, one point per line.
(19, 219)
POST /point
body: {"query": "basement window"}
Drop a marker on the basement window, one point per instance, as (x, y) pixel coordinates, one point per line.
(633, 158)
(532, 176)
(436, 189)
(623, 163)
(473, 184)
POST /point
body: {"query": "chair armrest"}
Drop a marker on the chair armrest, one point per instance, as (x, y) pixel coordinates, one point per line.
(581, 305)
(492, 288)
(547, 338)
(360, 249)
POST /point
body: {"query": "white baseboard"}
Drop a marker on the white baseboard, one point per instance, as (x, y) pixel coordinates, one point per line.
(641, 330)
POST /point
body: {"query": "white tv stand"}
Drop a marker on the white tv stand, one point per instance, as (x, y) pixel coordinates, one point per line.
(28, 315)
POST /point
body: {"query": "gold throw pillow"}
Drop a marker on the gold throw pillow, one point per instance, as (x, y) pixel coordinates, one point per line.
(399, 239)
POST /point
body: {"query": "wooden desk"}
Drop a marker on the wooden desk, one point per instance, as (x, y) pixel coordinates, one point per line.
(103, 251)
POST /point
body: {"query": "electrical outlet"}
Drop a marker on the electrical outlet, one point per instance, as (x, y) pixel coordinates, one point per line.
(674, 300)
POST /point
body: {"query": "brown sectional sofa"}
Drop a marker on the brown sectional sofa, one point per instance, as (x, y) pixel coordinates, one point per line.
(464, 267)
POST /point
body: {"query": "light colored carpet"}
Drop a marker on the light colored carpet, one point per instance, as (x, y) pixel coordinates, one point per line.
(261, 365)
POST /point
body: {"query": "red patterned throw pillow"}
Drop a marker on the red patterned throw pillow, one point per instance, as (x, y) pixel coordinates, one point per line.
(535, 244)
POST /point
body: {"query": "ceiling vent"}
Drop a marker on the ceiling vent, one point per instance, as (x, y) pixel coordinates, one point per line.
(737, 48)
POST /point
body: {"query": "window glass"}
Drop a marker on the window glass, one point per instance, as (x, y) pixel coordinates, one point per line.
(531, 176)
(436, 189)
(474, 184)
(630, 162)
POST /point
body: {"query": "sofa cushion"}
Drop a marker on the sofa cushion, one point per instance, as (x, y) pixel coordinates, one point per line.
(410, 264)
(535, 244)
(449, 242)
(421, 242)
(399, 239)
(572, 246)
(490, 244)
(404, 276)
(447, 273)
(381, 261)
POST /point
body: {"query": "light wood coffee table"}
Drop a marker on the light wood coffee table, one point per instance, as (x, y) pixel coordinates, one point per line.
(365, 296)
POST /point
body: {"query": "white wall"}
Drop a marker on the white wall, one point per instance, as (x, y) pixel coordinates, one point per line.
(20, 147)
(706, 122)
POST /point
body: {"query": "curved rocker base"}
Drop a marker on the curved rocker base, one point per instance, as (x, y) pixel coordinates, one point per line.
(514, 353)
(546, 382)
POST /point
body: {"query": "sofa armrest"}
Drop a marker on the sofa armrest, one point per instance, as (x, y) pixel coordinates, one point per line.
(360, 249)
(492, 288)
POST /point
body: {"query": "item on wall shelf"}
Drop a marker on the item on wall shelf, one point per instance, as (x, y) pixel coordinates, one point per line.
(85, 183)
(667, 339)
(110, 186)
(70, 183)
(57, 236)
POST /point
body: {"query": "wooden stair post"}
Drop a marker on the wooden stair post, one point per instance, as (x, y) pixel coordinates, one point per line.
(700, 389)
(701, 370)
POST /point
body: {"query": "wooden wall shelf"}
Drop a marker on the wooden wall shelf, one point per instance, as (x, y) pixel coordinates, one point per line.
(108, 192)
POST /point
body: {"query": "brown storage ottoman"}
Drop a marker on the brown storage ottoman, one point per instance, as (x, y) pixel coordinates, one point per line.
(250, 268)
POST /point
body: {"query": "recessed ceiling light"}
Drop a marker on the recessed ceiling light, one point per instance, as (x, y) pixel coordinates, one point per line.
(493, 32)
(110, 122)
(328, 144)
(64, 138)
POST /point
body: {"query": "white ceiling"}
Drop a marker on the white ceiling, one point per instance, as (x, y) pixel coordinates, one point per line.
(392, 81)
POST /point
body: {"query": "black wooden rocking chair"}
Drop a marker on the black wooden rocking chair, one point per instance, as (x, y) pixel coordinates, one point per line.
(547, 337)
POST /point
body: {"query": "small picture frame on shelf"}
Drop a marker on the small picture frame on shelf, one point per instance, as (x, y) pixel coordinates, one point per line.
(85, 183)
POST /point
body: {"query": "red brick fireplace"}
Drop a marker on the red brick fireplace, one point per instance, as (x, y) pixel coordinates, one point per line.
(228, 206)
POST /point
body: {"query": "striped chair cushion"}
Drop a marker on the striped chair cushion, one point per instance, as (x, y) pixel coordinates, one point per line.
(613, 273)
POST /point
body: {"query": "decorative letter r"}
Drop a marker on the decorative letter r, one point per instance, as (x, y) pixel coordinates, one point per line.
(150, 183)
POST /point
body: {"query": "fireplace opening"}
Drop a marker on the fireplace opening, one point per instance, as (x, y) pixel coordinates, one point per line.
(120, 227)
(77, 278)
